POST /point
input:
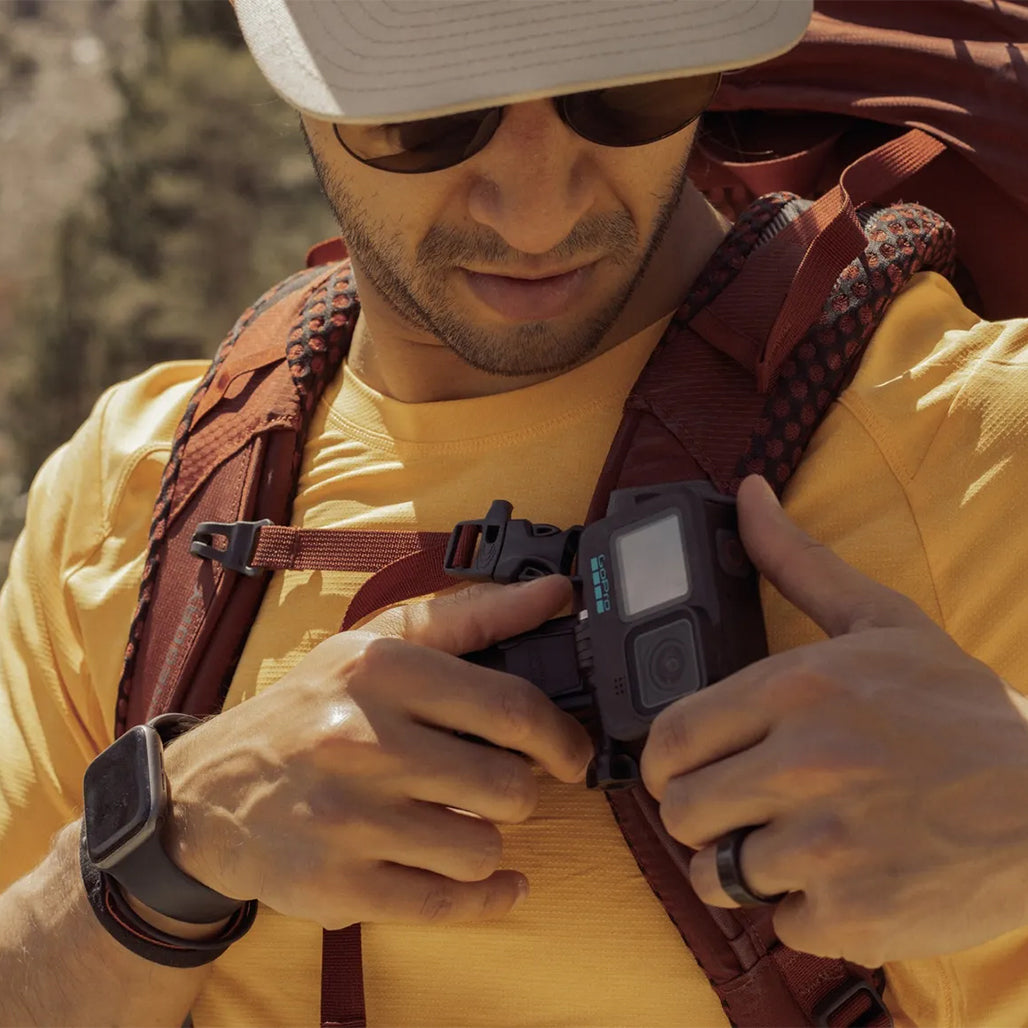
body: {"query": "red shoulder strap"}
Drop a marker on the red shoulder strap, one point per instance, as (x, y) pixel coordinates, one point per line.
(696, 408)
(193, 616)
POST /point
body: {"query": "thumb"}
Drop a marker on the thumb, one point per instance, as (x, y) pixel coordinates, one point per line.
(473, 617)
(835, 595)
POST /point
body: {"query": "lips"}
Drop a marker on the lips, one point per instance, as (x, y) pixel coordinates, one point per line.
(529, 299)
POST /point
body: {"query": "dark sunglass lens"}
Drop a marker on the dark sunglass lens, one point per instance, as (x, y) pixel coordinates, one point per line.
(638, 114)
(430, 144)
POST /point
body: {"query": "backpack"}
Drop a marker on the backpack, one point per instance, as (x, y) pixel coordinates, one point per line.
(866, 71)
(733, 388)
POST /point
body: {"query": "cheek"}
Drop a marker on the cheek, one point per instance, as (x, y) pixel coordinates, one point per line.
(378, 201)
(648, 178)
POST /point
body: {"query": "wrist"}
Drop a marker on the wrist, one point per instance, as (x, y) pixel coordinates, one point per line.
(181, 929)
(123, 921)
(186, 832)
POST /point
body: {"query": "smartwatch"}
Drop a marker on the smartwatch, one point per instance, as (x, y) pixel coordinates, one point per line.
(126, 804)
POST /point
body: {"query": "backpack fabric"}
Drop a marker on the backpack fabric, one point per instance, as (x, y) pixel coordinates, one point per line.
(712, 402)
(867, 70)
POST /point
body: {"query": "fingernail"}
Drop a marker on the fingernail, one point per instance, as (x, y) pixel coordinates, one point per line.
(522, 891)
(532, 581)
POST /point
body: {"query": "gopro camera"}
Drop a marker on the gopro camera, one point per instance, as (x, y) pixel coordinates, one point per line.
(667, 603)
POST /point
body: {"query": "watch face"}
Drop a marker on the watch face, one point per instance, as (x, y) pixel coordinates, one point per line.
(120, 790)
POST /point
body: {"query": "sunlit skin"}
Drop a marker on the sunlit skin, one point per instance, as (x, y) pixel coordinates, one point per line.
(537, 201)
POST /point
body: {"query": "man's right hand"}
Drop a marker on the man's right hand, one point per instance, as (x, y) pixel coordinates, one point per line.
(343, 794)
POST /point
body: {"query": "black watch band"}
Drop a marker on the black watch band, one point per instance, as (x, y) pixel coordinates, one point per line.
(153, 878)
(122, 922)
(134, 855)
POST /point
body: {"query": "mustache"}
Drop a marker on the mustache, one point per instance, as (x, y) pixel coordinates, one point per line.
(614, 235)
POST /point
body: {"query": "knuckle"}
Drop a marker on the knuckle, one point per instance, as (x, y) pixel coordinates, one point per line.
(393, 621)
(355, 825)
(515, 786)
(797, 928)
(670, 737)
(867, 612)
(678, 810)
(484, 859)
(800, 685)
(438, 904)
(513, 711)
(376, 659)
(826, 844)
(473, 606)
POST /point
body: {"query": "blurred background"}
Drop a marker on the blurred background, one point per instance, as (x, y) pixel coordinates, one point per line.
(151, 187)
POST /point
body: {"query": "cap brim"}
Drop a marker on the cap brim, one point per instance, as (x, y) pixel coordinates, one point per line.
(397, 60)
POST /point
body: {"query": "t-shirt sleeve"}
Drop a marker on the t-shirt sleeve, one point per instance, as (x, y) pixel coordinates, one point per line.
(67, 604)
(50, 722)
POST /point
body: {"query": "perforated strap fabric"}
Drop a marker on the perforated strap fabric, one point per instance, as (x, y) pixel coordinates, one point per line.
(843, 239)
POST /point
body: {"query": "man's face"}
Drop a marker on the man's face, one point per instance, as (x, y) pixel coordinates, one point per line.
(519, 260)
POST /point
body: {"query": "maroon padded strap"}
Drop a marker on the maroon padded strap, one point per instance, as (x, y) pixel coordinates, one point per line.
(180, 651)
(694, 395)
(281, 547)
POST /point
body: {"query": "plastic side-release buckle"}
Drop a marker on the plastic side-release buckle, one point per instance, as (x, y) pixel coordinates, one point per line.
(240, 542)
(827, 1012)
(499, 549)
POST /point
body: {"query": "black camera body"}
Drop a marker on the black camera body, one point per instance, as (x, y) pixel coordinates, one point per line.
(667, 604)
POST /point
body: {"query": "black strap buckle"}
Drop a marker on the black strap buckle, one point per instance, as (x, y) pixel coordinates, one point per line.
(240, 542)
(499, 549)
(829, 1007)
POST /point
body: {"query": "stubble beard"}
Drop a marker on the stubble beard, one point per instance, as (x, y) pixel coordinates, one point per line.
(419, 294)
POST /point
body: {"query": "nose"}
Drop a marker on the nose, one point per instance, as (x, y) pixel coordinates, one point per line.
(534, 180)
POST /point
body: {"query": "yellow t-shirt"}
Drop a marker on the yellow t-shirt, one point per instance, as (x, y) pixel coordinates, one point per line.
(912, 477)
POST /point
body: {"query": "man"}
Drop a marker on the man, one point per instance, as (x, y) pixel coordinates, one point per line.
(511, 291)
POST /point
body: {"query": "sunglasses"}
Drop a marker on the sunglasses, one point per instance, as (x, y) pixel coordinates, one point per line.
(631, 115)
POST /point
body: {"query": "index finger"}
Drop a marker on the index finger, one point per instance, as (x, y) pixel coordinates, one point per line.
(443, 691)
(474, 617)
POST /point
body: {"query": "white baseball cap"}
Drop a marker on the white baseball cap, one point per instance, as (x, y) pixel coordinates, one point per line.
(399, 60)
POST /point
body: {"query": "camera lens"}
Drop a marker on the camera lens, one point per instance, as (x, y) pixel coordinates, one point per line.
(667, 663)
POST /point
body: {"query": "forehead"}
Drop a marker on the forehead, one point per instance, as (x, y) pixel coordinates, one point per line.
(398, 60)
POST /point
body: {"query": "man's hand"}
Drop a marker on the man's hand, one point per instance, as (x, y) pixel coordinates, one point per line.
(887, 769)
(343, 794)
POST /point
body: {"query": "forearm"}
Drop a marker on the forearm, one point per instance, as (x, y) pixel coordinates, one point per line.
(58, 966)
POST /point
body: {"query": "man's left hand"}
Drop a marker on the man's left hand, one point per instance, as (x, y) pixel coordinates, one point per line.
(885, 769)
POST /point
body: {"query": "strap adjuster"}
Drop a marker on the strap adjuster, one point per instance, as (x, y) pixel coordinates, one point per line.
(240, 542)
(496, 548)
(831, 1005)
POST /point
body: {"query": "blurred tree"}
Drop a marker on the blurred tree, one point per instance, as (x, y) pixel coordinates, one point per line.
(205, 197)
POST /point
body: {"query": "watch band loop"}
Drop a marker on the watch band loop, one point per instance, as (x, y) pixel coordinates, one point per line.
(143, 939)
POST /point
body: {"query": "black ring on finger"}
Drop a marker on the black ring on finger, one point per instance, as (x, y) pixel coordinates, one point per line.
(729, 873)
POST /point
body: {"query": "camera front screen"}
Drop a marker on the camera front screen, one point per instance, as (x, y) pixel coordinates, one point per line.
(651, 565)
